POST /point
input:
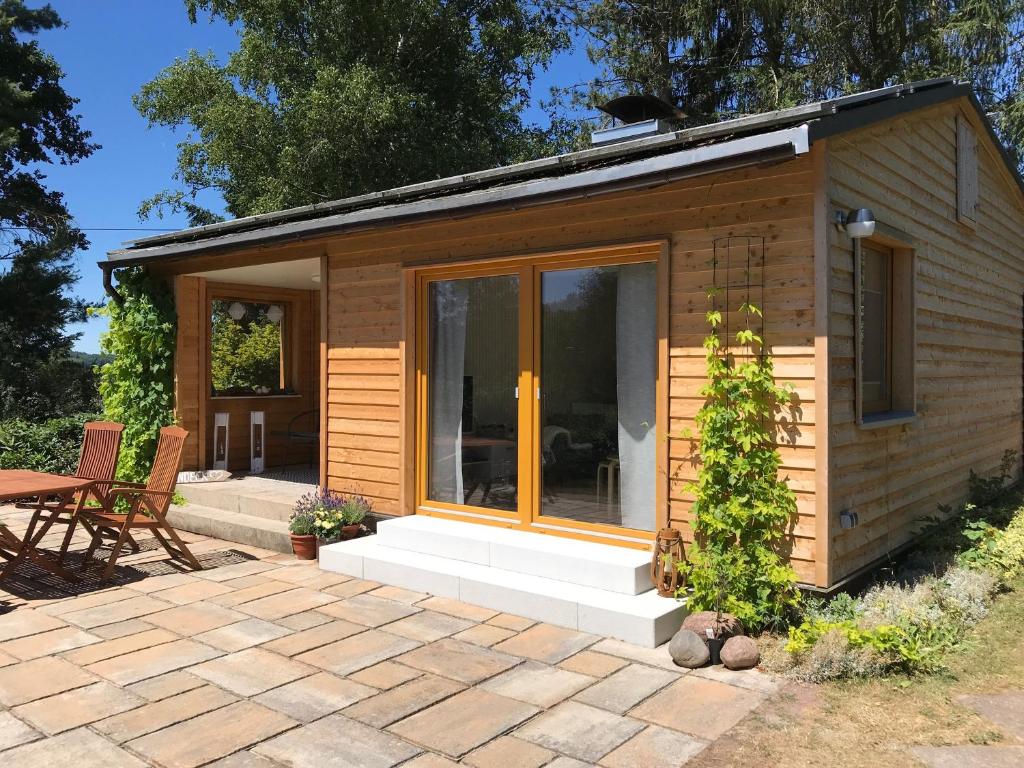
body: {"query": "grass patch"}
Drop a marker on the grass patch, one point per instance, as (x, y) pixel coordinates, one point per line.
(871, 722)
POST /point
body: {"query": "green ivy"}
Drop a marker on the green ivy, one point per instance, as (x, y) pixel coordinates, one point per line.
(137, 386)
(742, 508)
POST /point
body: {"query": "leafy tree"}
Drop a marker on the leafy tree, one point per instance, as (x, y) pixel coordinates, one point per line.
(244, 354)
(37, 238)
(330, 98)
(714, 60)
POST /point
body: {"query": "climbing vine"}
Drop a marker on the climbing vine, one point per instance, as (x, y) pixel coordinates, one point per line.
(137, 386)
(742, 508)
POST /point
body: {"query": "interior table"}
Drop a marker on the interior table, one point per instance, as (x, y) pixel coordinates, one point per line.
(26, 484)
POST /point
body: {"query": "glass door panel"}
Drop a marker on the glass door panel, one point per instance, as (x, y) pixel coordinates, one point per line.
(598, 372)
(472, 409)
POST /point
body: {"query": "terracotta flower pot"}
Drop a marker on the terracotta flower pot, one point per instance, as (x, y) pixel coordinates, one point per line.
(350, 531)
(304, 547)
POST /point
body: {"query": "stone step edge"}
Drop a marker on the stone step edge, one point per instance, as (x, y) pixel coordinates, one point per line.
(237, 503)
(644, 619)
(231, 526)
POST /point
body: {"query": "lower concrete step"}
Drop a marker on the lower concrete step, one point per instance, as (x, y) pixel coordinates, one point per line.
(644, 619)
(253, 496)
(231, 526)
(586, 563)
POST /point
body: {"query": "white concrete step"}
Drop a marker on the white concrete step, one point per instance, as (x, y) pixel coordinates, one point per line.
(644, 619)
(231, 526)
(584, 563)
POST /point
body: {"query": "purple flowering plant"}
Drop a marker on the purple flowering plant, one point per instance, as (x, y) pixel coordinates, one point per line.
(330, 511)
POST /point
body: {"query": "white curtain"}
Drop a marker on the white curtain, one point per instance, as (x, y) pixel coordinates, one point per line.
(449, 304)
(636, 355)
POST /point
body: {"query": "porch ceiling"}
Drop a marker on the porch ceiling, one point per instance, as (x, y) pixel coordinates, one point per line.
(282, 274)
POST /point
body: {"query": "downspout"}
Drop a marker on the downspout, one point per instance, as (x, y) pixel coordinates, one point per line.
(108, 268)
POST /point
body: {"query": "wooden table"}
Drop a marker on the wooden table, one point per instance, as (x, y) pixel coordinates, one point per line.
(24, 484)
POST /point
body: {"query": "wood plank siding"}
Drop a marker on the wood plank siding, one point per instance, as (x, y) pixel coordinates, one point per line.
(968, 282)
(368, 335)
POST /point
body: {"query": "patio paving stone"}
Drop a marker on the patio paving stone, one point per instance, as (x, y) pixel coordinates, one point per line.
(653, 657)
(48, 643)
(308, 639)
(368, 611)
(391, 706)
(428, 626)
(245, 759)
(357, 652)
(305, 620)
(108, 649)
(284, 604)
(152, 717)
(121, 628)
(6, 659)
(162, 686)
(250, 593)
(110, 613)
(39, 678)
(480, 716)
(318, 746)
(592, 663)
(242, 635)
(72, 749)
(751, 679)
(24, 623)
(88, 600)
(236, 571)
(251, 672)
(655, 746)
(195, 618)
(511, 621)
(508, 752)
(626, 688)
(484, 634)
(14, 732)
(457, 608)
(460, 661)
(212, 735)
(580, 731)
(385, 675)
(77, 707)
(547, 643)
(1004, 709)
(537, 684)
(702, 708)
(313, 697)
(160, 583)
(398, 594)
(430, 760)
(150, 662)
(352, 587)
(191, 592)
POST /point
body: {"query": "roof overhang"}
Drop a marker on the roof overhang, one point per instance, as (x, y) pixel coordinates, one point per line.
(772, 147)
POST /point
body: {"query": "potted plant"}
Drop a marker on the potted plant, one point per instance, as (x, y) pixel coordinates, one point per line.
(353, 512)
(302, 529)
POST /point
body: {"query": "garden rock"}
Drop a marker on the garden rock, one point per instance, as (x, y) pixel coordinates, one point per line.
(700, 622)
(740, 652)
(687, 649)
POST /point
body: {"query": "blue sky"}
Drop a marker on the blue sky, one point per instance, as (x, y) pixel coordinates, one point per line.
(108, 50)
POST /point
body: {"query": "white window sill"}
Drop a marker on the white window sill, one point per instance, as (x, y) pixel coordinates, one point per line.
(887, 419)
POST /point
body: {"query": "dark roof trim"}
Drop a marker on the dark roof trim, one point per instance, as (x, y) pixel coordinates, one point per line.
(651, 171)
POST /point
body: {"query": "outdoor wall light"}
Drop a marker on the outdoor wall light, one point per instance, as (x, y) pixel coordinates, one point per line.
(275, 313)
(236, 311)
(315, 277)
(857, 223)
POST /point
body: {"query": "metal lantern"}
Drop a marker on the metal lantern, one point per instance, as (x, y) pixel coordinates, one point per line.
(668, 553)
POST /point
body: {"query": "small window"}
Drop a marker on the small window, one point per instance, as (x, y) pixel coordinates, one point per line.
(246, 350)
(884, 334)
(966, 172)
(876, 335)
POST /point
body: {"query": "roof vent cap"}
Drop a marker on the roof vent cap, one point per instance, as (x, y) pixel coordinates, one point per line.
(633, 117)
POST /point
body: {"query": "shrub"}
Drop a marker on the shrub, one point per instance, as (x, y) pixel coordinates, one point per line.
(137, 386)
(49, 446)
(741, 508)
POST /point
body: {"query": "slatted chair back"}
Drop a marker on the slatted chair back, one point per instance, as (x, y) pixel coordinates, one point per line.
(100, 446)
(164, 476)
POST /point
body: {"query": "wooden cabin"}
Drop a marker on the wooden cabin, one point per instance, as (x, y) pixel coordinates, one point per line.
(521, 347)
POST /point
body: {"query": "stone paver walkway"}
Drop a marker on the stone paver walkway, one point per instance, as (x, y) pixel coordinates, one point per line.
(1004, 710)
(262, 660)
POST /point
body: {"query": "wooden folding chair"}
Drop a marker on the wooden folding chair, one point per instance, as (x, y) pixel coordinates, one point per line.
(97, 461)
(148, 506)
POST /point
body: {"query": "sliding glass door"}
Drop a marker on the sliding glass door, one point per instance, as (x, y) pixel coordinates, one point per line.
(537, 401)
